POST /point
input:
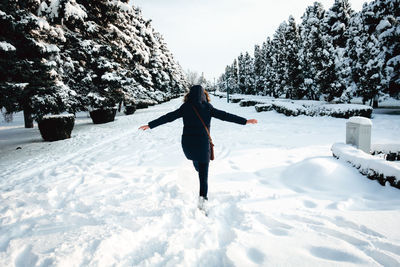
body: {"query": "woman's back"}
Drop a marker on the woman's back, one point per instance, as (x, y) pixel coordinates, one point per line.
(191, 122)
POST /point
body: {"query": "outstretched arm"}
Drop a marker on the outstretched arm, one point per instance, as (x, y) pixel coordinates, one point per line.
(225, 116)
(169, 117)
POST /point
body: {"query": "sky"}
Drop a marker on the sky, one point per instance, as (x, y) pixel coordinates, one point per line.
(206, 35)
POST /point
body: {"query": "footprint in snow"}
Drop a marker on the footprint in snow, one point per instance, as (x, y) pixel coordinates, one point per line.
(256, 255)
(335, 255)
(309, 204)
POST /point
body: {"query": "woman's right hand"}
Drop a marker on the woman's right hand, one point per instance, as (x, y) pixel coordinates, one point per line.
(252, 121)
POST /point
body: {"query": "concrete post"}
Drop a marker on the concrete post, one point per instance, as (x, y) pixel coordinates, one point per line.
(358, 133)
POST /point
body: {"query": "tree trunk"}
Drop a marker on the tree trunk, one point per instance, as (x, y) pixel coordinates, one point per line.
(120, 106)
(28, 118)
(375, 102)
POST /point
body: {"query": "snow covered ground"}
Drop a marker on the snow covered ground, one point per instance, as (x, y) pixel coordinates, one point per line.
(116, 196)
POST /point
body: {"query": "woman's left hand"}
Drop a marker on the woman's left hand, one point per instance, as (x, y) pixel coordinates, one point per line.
(252, 121)
(144, 127)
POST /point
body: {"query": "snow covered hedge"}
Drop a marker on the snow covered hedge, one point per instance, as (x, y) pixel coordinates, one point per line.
(373, 167)
(344, 110)
(249, 103)
(334, 110)
(390, 152)
(236, 99)
(385, 148)
(264, 107)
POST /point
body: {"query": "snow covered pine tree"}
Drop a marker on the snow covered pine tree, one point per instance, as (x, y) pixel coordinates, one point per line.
(90, 54)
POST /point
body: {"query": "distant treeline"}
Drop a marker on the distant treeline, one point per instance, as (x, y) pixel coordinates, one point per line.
(332, 55)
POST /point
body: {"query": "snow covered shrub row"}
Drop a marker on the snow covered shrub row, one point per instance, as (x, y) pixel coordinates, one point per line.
(390, 152)
(248, 103)
(385, 148)
(289, 109)
(344, 110)
(334, 110)
(236, 99)
(374, 168)
(56, 127)
(264, 107)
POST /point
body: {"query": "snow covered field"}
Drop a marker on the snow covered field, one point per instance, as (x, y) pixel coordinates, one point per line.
(116, 196)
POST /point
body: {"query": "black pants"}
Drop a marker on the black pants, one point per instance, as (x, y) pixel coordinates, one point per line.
(202, 169)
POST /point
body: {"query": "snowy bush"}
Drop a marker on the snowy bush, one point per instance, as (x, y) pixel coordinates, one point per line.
(263, 107)
(235, 99)
(289, 109)
(374, 168)
(390, 152)
(56, 127)
(344, 110)
(248, 103)
(105, 115)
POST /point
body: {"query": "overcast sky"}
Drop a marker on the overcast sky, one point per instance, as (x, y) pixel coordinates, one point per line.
(206, 35)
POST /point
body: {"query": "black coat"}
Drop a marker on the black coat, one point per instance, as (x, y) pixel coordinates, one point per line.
(195, 142)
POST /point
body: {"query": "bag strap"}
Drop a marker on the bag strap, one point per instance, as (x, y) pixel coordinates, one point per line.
(198, 115)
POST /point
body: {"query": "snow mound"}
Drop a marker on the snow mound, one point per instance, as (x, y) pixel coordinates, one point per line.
(325, 175)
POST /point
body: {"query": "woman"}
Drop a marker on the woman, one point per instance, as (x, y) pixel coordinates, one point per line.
(195, 140)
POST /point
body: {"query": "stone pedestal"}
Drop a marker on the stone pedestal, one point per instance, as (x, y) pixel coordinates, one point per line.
(358, 133)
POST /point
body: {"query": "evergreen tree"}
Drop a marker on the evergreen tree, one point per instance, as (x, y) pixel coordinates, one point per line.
(234, 80)
(293, 74)
(367, 66)
(241, 74)
(312, 50)
(259, 69)
(221, 82)
(267, 74)
(336, 24)
(249, 81)
(386, 25)
(373, 50)
(231, 78)
(337, 21)
(279, 61)
(352, 53)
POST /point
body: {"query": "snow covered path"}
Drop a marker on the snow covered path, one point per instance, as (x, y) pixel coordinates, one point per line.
(116, 196)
